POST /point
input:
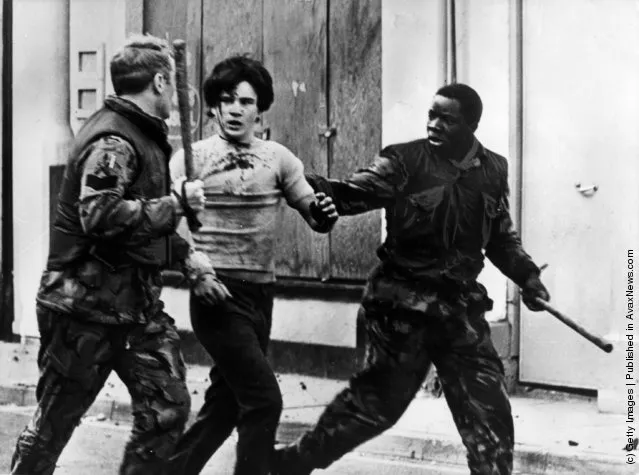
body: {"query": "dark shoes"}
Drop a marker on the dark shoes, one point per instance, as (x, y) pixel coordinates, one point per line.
(286, 461)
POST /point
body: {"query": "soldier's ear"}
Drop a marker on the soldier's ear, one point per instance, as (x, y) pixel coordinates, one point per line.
(159, 83)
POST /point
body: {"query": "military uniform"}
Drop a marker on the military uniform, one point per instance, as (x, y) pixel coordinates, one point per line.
(422, 304)
(98, 305)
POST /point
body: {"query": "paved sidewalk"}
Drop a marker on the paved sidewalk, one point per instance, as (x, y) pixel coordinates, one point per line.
(554, 436)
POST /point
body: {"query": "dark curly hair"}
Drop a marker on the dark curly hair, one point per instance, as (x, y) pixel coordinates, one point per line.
(469, 100)
(227, 74)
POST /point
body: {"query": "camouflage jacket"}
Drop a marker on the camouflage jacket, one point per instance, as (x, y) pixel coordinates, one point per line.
(115, 224)
(441, 216)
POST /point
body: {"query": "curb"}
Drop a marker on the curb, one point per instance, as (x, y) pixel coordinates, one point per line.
(392, 444)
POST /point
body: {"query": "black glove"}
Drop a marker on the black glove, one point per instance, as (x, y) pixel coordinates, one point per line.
(320, 216)
(531, 289)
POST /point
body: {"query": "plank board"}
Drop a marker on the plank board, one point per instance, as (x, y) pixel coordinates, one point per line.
(295, 53)
(165, 18)
(229, 27)
(355, 105)
(194, 55)
(180, 20)
(134, 23)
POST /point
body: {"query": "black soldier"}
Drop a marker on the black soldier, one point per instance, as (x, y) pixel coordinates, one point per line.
(446, 202)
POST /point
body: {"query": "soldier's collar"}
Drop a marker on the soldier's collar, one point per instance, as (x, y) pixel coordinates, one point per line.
(473, 157)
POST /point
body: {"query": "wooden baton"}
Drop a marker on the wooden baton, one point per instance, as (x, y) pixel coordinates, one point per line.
(182, 90)
(598, 341)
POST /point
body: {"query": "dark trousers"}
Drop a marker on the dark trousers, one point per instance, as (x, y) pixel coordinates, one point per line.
(75, 360)
(244, 391)
(401, 349)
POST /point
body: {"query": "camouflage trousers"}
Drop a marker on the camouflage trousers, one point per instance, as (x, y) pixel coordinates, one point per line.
(401, 347)
(75, 359)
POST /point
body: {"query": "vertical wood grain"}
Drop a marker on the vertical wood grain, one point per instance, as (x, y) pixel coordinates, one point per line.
(295, 53)
(355, 104)
(229, 27)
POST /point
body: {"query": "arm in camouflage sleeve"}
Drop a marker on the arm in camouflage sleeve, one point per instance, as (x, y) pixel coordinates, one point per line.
(373, 187)
(197, 269)
(194, 264)
(504, 248)
(109, 169)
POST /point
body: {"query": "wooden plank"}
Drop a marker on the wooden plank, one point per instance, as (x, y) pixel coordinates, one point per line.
(295, 53)
(134, 18)
(180, 20)
(229, 27)
(356, 112)
(165, 18)
(194, 61)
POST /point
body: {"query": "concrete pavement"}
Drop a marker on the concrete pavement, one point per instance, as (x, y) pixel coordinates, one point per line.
(564, 434)
(96, 448)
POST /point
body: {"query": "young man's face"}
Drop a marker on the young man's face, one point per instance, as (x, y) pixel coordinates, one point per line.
(238, 113)
(446, 128)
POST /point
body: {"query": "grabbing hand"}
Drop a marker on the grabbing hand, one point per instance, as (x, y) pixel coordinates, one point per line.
(323, 211)
(211, 290)
(191, 193)
(534, 288)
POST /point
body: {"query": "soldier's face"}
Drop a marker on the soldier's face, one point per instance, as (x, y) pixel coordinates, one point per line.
(238, 113)
(446, 128)
(166, 96)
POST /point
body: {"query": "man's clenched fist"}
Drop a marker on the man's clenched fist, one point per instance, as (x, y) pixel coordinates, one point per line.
(191, 192)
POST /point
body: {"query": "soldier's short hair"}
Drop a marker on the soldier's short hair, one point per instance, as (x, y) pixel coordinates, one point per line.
(227, 74)
(469, 100)
(136, 64)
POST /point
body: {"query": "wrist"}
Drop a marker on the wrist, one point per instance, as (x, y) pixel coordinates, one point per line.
(324, 227)
(177, 203)
(195, 278)
(323, 223)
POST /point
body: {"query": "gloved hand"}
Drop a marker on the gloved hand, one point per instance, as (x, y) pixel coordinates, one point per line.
(534, 288)
(211, 290)
(323, 212)
(189, 192)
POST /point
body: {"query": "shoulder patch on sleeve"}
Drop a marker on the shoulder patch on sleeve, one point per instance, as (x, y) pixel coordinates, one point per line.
(101, 183)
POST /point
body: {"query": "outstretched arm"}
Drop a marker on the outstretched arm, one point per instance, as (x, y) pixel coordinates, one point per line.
(374, 187)
(197, 267)
(318, 211)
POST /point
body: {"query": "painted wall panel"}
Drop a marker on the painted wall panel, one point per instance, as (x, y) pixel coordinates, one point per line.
(581, 110)
(40, 137)
(483, 63)
(412, 65)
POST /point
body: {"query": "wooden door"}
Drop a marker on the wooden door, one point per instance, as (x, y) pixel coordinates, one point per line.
(295, 53)
(355, 109)
(321, 79)
(180, 20)
(581, 110)
(229, 27)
